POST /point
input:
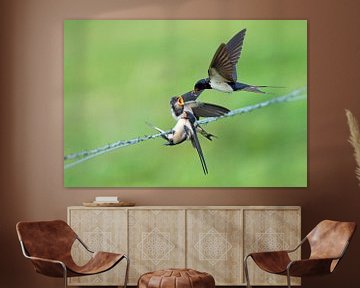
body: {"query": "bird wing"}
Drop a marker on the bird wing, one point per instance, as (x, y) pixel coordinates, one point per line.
(163, 135)
(223, 64)
(221, 69)
(191, 95)
(196, 144)
(234, 46)
(200, 109)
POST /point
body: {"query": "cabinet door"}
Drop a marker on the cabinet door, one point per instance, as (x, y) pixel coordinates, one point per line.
(269, 230)
(214, 244)
(156, 240)
(101, 230)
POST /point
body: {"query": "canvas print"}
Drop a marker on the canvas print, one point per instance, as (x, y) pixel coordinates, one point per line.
(185, 103)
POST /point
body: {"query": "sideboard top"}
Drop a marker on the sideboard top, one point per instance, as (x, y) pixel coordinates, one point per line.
(193, 207)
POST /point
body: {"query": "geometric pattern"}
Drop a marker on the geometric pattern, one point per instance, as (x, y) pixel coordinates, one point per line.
(213, 246)
(269, 241)
(101, 230)
(214, 243)
(98, 240)
(212, 239)
(270, 230)
(155, 246)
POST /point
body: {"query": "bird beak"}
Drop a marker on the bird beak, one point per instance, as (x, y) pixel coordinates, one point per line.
(181, 101)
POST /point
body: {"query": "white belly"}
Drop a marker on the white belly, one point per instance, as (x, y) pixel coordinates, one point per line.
(221, 86)
(179, 131)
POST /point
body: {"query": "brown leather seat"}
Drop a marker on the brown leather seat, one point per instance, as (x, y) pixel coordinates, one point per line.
(176, 278)
(328, 242)
(48, 245)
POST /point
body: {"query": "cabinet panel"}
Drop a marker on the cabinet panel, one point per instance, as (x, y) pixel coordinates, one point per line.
(209, 239)
(214, 242)
(101, 230)
(269, 230)
(156, 240)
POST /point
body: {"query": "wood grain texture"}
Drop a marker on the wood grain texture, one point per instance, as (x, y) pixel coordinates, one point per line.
(270, 230)
(156, 240)
(214, 243)
(211, 239)
(100, 230)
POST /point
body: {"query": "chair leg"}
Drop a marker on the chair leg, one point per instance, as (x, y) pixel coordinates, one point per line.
(127, 271)
(288, 278)
(65, 276)
(246, 272)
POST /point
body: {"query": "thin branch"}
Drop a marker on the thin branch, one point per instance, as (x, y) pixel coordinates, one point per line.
(88, 154)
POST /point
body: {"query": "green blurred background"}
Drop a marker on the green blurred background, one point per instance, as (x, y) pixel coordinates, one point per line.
(120, 74)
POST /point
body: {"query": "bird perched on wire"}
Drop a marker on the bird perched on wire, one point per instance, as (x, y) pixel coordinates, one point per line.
(179, 104)
(185, 102)
(222, 71)
(188, 101)
(182, 131)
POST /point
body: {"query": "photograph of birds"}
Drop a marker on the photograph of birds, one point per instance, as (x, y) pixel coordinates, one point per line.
(122, 82)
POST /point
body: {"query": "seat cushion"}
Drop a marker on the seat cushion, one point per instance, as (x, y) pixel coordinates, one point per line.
(272, 262)
(99, 262)
(176, 278)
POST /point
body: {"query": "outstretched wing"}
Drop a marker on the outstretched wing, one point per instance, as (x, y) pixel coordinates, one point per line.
(234, 46)
(223, 64)
(200, 109)
(221, 69)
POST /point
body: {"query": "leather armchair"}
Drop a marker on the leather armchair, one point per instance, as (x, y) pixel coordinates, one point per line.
(48, 245)
(328, 243)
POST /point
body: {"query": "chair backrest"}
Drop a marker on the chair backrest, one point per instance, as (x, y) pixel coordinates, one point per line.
(329, 239)
(46, 239)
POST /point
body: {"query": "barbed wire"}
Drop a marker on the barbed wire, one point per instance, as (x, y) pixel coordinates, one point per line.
(89, 154)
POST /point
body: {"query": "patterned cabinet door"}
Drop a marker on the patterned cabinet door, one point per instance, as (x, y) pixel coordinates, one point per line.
(269, 230)
(156, 240)
(101, 230)
(214, 244)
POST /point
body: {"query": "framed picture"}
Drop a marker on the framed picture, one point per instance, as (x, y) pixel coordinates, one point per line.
(121, 75)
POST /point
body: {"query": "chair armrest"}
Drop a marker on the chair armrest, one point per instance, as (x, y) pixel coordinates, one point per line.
(309, 267)
(269, 253)
(281, 251)
(298, 246)
(49, 267)
(84, 245)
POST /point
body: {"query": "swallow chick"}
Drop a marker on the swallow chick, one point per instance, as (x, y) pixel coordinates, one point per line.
(182, 131)
(222, 71)
(187, 102)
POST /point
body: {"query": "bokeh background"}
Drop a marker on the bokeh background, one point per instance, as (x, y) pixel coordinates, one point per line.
(120, 74)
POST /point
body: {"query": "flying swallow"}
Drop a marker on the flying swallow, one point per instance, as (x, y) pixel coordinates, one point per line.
(187, 102)
(182, 131)
(222, 71)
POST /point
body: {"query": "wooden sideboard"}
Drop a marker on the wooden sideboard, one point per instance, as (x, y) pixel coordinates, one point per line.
(212, 239)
